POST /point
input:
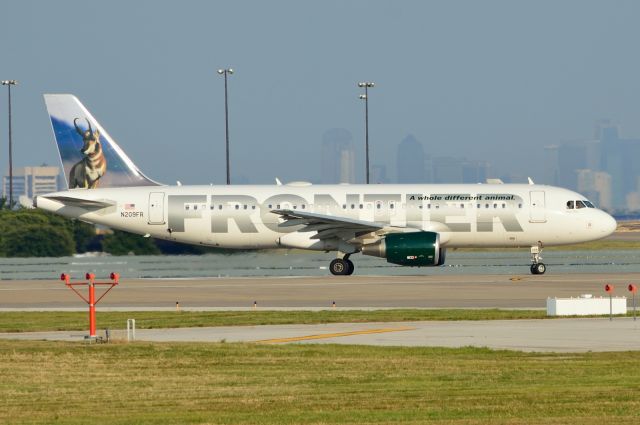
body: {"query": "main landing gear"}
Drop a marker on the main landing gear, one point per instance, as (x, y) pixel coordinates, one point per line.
(537, 267)
(341, 266)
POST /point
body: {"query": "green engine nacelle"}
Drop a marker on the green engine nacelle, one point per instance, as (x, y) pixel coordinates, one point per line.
(408, 249)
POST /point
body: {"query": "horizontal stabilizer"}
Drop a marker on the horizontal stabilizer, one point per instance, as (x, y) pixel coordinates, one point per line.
(80, 203)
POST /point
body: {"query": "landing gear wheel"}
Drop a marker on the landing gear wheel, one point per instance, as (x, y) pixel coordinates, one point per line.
(538, 268)
(351, 267)
(339, 267)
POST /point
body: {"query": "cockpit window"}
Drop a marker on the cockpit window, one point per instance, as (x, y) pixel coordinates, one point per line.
(569, 205)
(589, 204)
(580, 204)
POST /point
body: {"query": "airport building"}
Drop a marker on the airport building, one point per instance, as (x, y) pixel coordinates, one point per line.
(32, 181)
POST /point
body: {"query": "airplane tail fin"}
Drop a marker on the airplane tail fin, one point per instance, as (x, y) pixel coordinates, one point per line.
(90, 157)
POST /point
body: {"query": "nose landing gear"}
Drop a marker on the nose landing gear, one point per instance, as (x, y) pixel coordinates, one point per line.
(537, 266)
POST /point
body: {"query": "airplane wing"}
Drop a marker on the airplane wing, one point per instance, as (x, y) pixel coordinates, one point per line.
(327, 226)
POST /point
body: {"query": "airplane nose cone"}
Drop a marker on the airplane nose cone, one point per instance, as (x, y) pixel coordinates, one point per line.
(608, 224)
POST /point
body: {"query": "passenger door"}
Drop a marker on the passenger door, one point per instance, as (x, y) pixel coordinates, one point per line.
(537, 207)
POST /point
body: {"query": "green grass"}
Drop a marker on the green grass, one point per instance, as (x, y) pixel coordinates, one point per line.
(68, 321)
(145, 383)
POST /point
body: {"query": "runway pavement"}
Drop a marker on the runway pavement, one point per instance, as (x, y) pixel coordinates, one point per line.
(550, 335)
(360, 292)
(449, 291)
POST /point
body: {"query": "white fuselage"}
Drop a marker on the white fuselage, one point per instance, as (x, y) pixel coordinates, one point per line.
(465, 215)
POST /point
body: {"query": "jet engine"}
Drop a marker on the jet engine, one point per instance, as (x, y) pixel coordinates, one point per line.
(420, 249)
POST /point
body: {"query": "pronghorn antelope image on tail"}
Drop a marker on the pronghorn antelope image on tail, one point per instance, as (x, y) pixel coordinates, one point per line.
(86, 173)
(91, 158)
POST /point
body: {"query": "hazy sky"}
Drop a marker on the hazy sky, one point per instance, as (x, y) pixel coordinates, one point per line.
(493, 80)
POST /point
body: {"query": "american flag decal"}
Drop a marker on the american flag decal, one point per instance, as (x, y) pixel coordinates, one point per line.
(129, 206)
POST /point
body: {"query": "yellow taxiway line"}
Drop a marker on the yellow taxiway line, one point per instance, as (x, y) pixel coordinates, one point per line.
(333, 335)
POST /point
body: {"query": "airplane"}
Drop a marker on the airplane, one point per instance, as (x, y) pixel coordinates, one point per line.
(406, 224)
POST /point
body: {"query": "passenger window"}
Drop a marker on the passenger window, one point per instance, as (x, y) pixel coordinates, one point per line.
(477, 205)
(428, 206)
(270, 206)
(504, 205)
(391, 206)
(277, 206)
(253, 207)
(220, 206)
(295, 207)
(244, 207)
(361, 206)
(461, 205)
(237, 207)
(486, 205)
(186, 207)
(378, 206)
(495, 205)
(211, 206)
(353, 206)
(520, 206)
(344, 206)
(579, 205)
(302, 206)
(569, 205)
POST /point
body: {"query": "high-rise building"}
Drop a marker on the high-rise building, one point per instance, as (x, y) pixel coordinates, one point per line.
(596, 185)
(338, 157)
(347, 168)
(32, 181)
(379, 174)
(410, 161)
(633, 201)
(607, 153)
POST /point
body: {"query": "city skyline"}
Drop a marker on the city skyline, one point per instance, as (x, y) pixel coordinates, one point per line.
(580, 165)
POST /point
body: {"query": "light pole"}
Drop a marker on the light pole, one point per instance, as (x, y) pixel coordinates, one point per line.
(10, 83)
(226, 72)
(365, 96)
